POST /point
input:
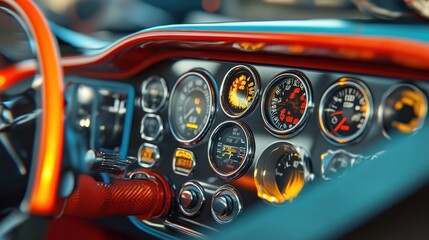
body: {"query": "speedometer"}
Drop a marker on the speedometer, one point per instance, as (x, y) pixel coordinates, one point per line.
(191, 107)
(286, 103)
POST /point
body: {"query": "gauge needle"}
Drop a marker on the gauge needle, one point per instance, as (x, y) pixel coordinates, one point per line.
(337, 113)
(189, 113)
(340, 124)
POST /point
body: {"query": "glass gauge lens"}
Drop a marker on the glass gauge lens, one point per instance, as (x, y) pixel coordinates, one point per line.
(345, 110)
(281, 172)
(231, 149)
(240, 90)
(285, 103)
(403, 110)
(191, 107)
(154, 93)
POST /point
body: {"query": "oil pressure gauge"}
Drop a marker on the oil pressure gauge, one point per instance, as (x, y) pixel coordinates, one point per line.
(345, 110)
(240, 91)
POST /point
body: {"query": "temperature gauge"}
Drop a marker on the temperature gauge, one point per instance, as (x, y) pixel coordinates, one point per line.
(231, 149)
(345, 110)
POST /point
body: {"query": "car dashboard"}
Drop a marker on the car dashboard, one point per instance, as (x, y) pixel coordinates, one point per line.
(238, 120)
(245, 116)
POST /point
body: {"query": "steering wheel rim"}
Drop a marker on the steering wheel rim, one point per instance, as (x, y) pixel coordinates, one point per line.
(41, 194)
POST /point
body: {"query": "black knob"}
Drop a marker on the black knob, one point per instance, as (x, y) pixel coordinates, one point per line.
(223, 205)
(188, 199)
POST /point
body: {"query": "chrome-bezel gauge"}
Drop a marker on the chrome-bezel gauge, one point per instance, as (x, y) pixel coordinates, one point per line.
(269, 106)
(214, 143)
(145, 91)
(239, 79)
(182, 90)
(385, 110)
(326, 105)
(282, 162)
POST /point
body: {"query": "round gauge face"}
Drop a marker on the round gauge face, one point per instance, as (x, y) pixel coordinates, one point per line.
(281, 172)
(230, 149)
(403, 111)
(289, 174)
(191, 107)
(154, 94)
(286, 103)
(240, 90)
(345, 110)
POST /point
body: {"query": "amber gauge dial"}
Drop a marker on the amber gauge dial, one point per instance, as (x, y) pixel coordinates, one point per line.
(282, 172)
(286, 103)
(240, 91)
(345, 110)
(403, 110)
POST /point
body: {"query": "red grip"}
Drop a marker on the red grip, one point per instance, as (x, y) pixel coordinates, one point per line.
(145, 198)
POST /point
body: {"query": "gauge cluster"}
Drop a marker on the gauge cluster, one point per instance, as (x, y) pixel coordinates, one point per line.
(231, 135)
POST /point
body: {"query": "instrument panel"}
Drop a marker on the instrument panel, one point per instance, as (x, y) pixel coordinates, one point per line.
(263, 135)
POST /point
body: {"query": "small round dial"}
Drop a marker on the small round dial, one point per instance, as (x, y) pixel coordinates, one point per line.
(345, 110)
(191, 107)
(282, 172)
(403, 110)
(285, 103)
(240, 91)
(231, 149)
(154, 94)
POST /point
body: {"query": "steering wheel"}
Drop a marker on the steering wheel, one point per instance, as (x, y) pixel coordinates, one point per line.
(41, 193)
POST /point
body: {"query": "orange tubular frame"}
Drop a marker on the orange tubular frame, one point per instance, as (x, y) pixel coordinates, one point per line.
(43, 183)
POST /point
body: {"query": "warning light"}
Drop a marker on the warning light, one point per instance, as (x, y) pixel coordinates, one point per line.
(148, 155)
(197, 101)
(183, 162)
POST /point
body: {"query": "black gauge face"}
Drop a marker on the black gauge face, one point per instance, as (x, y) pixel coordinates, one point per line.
(289, 174)
(240, 90)
(229, 149)
(345, 111)
(285, 103)
(404, 110)
(154, 94)
(191, 107)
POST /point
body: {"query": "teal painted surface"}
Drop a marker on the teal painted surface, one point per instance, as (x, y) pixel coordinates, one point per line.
(419, 32)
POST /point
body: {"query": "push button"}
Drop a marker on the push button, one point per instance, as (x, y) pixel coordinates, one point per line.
(191, 198)
(226, 204)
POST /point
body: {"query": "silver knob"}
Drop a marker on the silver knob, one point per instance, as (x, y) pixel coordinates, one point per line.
(110, 162)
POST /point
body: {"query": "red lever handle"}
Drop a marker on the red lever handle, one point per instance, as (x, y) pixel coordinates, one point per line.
(144, 198)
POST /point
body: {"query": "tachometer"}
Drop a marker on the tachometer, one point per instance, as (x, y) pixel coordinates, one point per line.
(192, 106)
(345, 110)
(231, 149)
(240, 91)
(286, 103)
